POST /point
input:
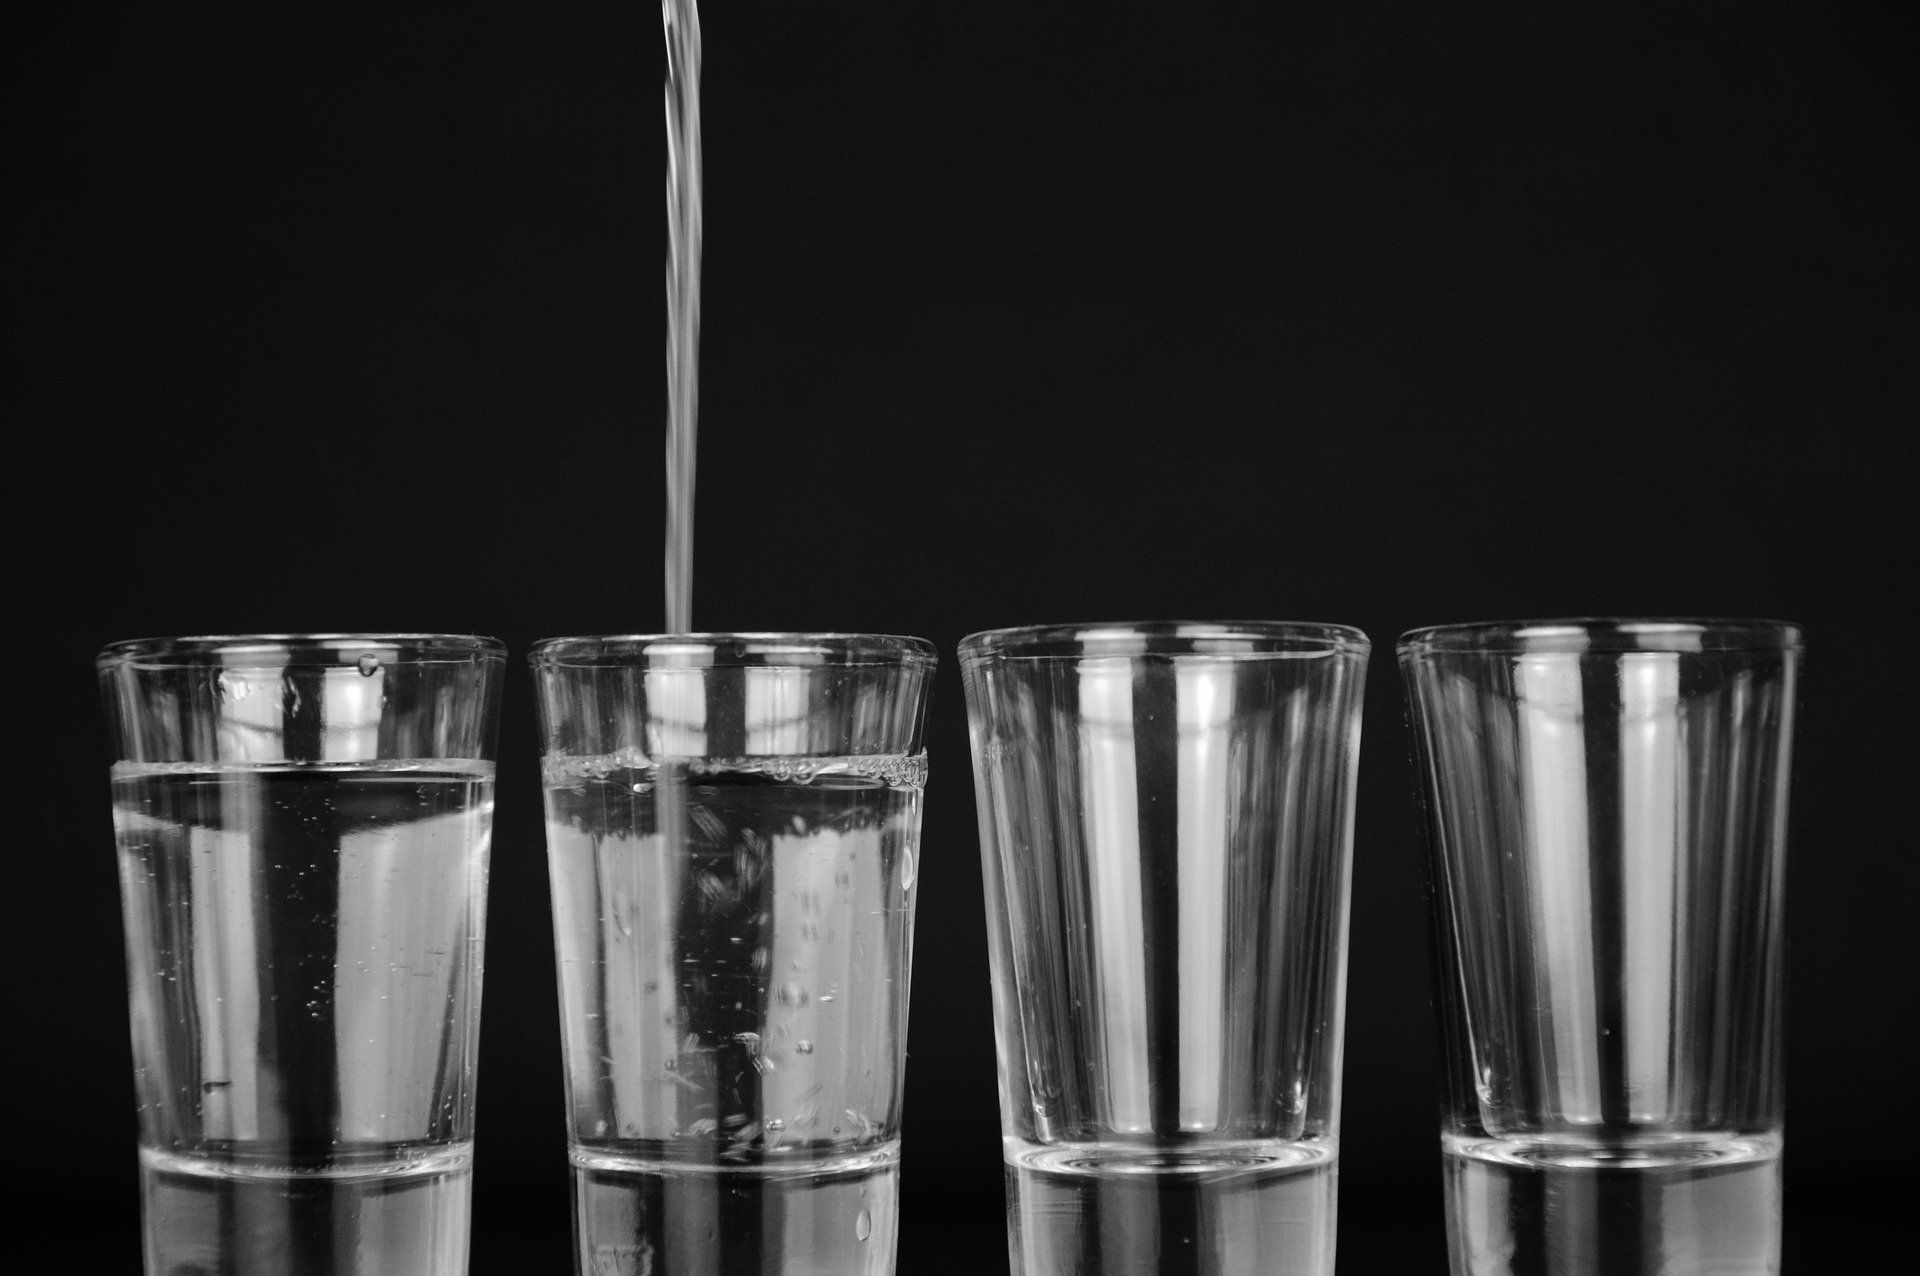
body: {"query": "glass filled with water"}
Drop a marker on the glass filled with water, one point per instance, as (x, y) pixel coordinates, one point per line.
(1606, 808)
(1166, 815)
(733, 828)
(302, 824)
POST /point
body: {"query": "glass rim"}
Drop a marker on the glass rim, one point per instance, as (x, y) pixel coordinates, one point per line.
(1601, 635)
(230, 649)
(1221, 639)
(706, 650)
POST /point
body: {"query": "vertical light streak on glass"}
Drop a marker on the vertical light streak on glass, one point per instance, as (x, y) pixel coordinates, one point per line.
(138, 906)
(653, 869)
(226, 993)
(776, 710)
(1021, 1072)
(643, 878)
(404, 893)
(350, 714)
(1559, 889)
(676, 714)
(1204, 695)
(806, 898)
(1733, 963)
(1784, 699)
(1652, 800)
(252, 725)
(803, 865)
(1111, 799)
(1294, 793)
(1340, 899)
(681, 18)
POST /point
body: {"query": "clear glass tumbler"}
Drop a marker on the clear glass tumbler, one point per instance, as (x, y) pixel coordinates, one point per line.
(733, 827)
(303, 827)
(1606, 805)
(1166, 825)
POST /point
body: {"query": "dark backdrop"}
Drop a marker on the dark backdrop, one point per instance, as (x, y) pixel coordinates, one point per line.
(348, 316)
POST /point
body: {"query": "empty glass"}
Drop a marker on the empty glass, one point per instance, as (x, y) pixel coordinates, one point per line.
(1166, 816)
(733, 828)
(303, 827)
(1606, 804)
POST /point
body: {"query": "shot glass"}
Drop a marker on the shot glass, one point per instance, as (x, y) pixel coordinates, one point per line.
(1166, 816)
(733, 828)
(1606, 806)
(303, 825)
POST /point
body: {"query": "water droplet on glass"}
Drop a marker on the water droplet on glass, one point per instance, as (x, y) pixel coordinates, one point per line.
(793, 995)
(863, 1225)
(803, 1046)
(369, 665)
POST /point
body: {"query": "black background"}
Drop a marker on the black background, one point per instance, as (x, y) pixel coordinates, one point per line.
(348, 316)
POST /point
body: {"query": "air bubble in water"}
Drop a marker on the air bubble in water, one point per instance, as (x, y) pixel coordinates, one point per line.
(793, 995)
(369, 665)
(803, 1046)
(863, 1225)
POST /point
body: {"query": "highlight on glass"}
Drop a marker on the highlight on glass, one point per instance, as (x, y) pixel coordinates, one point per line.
(1166, 820)
(733, 834)
(303, 826)
(1606, 805)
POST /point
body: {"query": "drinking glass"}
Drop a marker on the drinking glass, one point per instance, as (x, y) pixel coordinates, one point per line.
(1166, 816)
(1606, 806)
(303, 827)
(733, 828)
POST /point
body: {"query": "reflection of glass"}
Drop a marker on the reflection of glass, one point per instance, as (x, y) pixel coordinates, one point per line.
(1166, 826)
(1606, 805)
(303, 830)
(733, 827)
